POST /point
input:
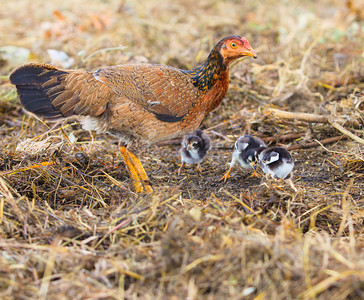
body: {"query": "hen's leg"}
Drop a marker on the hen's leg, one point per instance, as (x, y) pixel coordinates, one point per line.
(137, 172)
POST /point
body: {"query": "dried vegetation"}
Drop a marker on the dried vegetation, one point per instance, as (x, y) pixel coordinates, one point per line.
(71, 226)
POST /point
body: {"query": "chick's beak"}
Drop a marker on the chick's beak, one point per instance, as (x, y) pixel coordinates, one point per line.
(250, 52)
(254, 164)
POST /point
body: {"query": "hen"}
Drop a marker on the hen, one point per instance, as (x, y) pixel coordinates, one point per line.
(136, 102)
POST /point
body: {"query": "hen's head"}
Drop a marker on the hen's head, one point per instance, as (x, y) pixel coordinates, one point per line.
(234, 47)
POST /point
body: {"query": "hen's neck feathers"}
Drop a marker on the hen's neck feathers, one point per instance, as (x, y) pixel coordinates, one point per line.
(206, 75)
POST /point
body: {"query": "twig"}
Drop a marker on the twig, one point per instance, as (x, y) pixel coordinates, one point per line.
(119, 186)
(308, 52)
(220, 135)
(103, 50)
(285, 137)
(40, 165)
(117, 227)
(71, 183)
(318, 143)
(339, 152)
(282, 98)
(346, 132)
(239, 201)
(53, 215)
(312, 118)
(225, 123)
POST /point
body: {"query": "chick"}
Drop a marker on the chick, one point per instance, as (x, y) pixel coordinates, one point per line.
(276, 161)
(195, 147)
(245, 153)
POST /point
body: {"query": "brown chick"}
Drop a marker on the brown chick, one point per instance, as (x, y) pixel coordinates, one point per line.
(136, 102)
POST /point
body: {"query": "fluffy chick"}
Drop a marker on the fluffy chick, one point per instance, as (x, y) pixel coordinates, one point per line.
(245, 153)
(195, 147)
(275, 161)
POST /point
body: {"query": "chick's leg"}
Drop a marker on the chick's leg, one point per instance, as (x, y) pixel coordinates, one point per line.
(226, 175)
(136, 170)
(181, 167)
(255, 173)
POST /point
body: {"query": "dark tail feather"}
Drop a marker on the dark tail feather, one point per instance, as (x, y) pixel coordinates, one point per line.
(33, 81)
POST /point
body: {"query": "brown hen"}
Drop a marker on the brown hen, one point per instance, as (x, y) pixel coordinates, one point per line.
(137, 102)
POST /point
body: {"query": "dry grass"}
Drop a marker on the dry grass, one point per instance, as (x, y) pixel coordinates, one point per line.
(71, 227)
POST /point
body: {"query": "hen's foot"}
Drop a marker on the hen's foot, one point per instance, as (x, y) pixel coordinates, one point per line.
(136, 171)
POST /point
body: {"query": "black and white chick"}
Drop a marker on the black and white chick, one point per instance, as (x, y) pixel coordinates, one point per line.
(195, 147)
(276, 162)
(245, 150)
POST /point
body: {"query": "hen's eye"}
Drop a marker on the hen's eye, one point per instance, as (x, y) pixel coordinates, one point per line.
(233, 45)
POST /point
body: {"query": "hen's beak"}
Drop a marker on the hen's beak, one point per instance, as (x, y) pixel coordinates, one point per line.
(250, 52)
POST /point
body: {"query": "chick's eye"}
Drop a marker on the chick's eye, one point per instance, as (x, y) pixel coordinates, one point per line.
(233, 45)
(194, 144)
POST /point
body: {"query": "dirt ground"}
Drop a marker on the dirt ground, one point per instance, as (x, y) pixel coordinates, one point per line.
(71, 226)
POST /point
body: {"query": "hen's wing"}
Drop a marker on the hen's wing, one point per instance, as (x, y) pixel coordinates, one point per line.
(165, 91)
